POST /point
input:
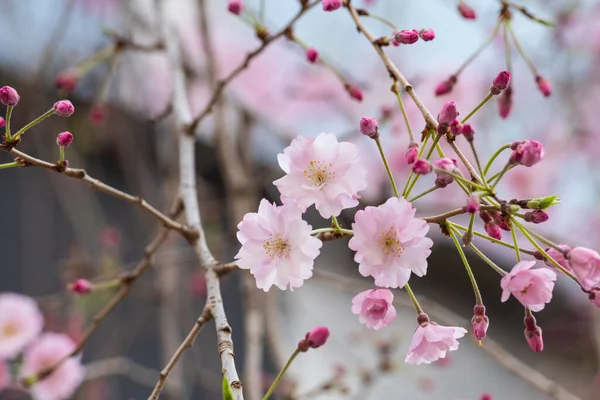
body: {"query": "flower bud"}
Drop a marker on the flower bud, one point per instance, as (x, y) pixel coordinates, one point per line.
(541, 203)
(369, 127)
(312, 55)
(500, 83)
(448, 113)
(445, 165)
(406, 36)
(536, 217)
(235, 6)
(456, 127)
(9, 96)
(427, 34)
(331, 5)
(67, 79)
(480, 322)
(544, 86)
(314, 339)
(468, 132)
(98, 113)
(421, 167)
(445, 87)
(466, 11)
(505, 103)
(64, 139)
(493, 230)
(485, 217)
(528, 153)
(2, 122)
(558, 256)
(412, 153)
(354, 91)
(81, 286)
(64, 108)
(472, 205)
(533, 334)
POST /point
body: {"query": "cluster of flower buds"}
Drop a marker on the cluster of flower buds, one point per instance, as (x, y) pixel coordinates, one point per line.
(444, 167)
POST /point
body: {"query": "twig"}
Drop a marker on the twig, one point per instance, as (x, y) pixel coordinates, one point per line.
(80, 174)
(187, 187)
(186, 344)
(233, 74)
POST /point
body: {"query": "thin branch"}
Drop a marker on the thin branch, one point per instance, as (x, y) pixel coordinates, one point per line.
(186, 344)
(249, 57)
(80, 174)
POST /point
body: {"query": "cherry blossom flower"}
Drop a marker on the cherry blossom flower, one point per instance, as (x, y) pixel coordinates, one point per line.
(277, 246)
(48, 349)
(432, 341)
(20, 322)
(585, 264)
(390, 243)
(374, 308)
(558, 257)
(532, 287)
(322, 172)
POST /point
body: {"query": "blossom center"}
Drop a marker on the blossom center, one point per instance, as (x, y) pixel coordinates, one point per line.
(9, 330)
(377, 309)
(277, 246)
(390, 243)
(524, 291)
(319, 172)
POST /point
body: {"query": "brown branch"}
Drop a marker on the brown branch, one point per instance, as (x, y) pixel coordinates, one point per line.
(398, 77)
(80, 174)
(249, 57)
(186, 344)
(438, 219)
(127, 282)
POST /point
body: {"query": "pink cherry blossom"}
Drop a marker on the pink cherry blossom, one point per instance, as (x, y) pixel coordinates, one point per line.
(532, 287)
(558, 257)
(20, 322)
(432, 341)
(322, 172)
(585, 264)
(374, 308)
(390, 243)
(277, 246)
(46, 351)
(4, 375)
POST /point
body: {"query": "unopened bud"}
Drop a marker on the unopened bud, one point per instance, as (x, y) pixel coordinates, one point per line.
(64, 108)
(369, 127)
(9, 96)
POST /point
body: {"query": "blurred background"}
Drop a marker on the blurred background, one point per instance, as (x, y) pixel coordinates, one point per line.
(56, 230)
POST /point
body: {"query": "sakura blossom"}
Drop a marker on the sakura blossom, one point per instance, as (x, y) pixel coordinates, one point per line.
(532, 287)
(390, 243)
(322, 172)
(20, 322)
(374, 308)
(585, 264)
(431, 342)
(48, 349)
(277, 246)
(559, 257)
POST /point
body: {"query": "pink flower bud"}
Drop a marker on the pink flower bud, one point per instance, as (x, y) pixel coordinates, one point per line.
(536, 216)
(81, 286)
(406, 36)
(445, 87)
(235, 6)
(500, 83)
(9, 96)
(354, 91)
(533, 334)
(331, 5)
(395, 43)
(493, 230)
(472, 205)
(448, 113)
(558, 256)
(98, 113)
(421, 167)
(505, 103)
(427, 34)
(544, 86)
(412, 153)
(480, 322)
(585, 264)
(67, 79)
(528, 153)
(594, 297)
(369, 127)
(64, 139)
(466, 11)
(486, 396)
(64, 108)
(312, 55)
(468, 132)
(314, 339)
(2, 122)
(456, 127)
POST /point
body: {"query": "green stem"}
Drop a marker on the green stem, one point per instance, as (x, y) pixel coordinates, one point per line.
(33, 123)
(500, 175)
(459, 248)
(487, 260)
(423, 194)
(541, 250)
(485, 100)
(62, 153)
(10, 165)
(413, 298)
(478, 164)
(385, 21)
(406, 190)
(281, 373)
(507, 47)
(348, 232)
(434, 145)
(8, 115)
(404, 115)
(493, 158)
(336, 224)
(544, 240)
(460, 178)
(387, 167)
(528, 60)
(491, 239)
(513, 231)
